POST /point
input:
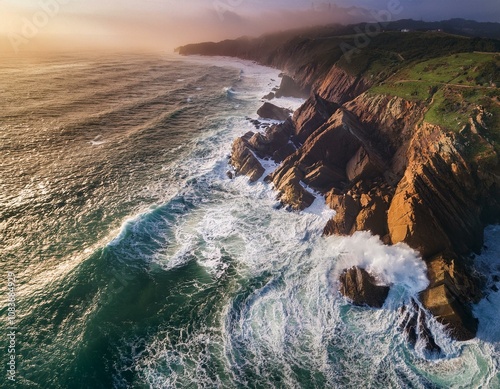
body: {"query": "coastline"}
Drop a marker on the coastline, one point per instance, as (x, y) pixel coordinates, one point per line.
(445, 233)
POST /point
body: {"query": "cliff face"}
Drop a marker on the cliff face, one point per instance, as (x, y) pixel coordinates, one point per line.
(340, 86)
(410, 160)
(385, 170)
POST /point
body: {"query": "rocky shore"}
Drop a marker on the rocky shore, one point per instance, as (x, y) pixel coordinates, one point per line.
(385, 169)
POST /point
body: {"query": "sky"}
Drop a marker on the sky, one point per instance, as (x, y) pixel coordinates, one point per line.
(164, 24)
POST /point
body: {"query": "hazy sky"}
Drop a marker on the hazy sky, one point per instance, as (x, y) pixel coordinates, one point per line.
(164, 24)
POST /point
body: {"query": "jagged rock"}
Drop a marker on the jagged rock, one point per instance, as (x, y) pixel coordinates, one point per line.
(415, 328)
(311, 115)
(434, 209)
(256, 123)
(394, 119)
(443, 304)
(373, 218)
(275, 138)
(321, 176)
(361, 288)
(269, 96)
(243, 159)
(449, 295)
(438, 198)
(291, 192)
(361, 166)
(289, 88)
(339, 86)
(283, 152)
(334, 143)
(260, 144)
(331, 147)
(411, 221)
(271, 111)
(363, 209)
(347, 210)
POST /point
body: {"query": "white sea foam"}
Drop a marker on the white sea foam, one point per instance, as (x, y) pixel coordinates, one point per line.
(285, 314)
(292, 103)
(396, 265)
(488, 310)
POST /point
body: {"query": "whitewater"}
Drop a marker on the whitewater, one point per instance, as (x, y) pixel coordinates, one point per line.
(141, 264)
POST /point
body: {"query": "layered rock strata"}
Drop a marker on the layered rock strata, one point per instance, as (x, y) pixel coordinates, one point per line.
(384, 170)
(373, 156)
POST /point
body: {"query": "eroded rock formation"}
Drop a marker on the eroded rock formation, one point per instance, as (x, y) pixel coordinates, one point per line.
(384, 170)
(290, 88)
(380, 165)
(271, 111)
(362, 289)
(244, 160)
(414, 326)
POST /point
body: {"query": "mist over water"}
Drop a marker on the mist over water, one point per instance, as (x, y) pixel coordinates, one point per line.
(140, 264)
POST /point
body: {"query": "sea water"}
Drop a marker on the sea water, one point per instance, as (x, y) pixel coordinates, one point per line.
(139, 263)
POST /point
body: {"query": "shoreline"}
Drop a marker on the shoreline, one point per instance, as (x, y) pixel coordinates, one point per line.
(368, 154)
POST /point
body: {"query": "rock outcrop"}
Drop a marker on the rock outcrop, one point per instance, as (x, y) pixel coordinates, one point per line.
(414, 326)
(362, 208)
(384, 169)
(449, 294)
(291, 190)
(340, 86)
(312, 115)
(290, 88)
(361, 288)
(271, 111)
(244, 160)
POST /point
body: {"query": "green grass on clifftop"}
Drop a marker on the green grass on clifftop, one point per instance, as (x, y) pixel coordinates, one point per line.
(462, 94)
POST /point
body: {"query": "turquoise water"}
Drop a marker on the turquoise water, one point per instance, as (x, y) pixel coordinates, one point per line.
(139, 264)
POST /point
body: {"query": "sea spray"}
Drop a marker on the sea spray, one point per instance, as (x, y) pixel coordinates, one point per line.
(397, 265)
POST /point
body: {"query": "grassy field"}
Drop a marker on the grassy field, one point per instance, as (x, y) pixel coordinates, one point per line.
(456, 88)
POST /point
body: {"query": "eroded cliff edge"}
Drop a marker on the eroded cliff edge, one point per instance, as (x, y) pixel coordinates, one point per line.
(392, 156)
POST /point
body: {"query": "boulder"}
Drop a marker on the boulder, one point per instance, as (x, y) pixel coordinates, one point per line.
(361, 288)
(269, 96)
(271, 111)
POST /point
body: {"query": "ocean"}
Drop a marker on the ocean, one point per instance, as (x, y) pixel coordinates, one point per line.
(138, 263)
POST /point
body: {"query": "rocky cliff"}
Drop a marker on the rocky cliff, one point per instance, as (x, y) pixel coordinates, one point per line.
(393, 158)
